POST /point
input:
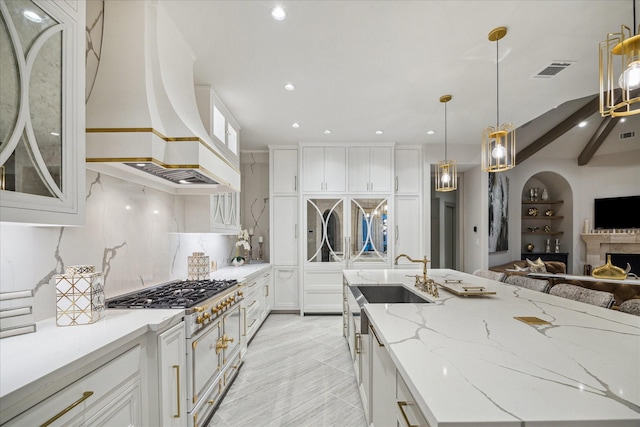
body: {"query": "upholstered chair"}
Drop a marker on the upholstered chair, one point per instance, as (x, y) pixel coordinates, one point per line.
(578, 293)
(488, 274)
(529, 283)
(631, 306)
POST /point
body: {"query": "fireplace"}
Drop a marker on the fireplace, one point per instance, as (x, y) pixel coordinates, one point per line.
(619, 245)
(621, 260)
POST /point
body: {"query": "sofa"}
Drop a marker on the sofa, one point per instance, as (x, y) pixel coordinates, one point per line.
(621, 291)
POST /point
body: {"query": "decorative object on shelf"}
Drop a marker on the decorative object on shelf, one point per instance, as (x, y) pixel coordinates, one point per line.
(198, 267)
(549, 212)
(533, 194)
(533, 229)
(260, 253)
(547, 246)
(530, 247)
(16, 313)
(585, 227)
(242, 242)
(249, 252)
(609, 271)
(545, 195)
(547, 228)
(532, 212)
(446, 170)
(557, 247)
(79, 296)
(620, 48)
(499, 142)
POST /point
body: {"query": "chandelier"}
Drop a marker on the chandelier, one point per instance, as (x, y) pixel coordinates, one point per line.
(499, 142)
(447, 171)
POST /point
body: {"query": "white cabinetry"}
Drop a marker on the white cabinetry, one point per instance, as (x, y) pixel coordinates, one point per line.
(284, 177)
(284, 230)
(370, 169)
(408, 225)
(323, 169)
(408, 170)
(407, 412)
(109, 395)
(382, 400)
(323, 290)
(255, 307)
(42, 175)
(286, 284)
(215, 213)
(173, 383)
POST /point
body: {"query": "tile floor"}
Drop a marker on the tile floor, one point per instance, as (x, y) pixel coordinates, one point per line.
(297, 372)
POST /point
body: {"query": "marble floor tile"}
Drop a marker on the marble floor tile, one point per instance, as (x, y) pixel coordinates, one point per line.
(297, 372)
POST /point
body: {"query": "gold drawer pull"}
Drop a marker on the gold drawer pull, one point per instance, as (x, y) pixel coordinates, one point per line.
(254, 321)
(85, 396)
(376, 335)
(253, 303)
(401, 405)
(177, 369)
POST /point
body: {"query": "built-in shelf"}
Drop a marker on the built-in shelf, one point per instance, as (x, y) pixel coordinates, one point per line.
(542, 233)
(542, 217)
(542, 202)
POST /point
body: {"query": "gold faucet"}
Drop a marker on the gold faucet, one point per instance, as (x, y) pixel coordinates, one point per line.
(423, 283)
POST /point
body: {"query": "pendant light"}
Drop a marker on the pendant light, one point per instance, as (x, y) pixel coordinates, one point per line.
(447, 171)
(499, 142)
(624, 49)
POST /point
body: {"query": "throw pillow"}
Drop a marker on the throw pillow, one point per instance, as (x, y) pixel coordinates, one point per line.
(537, 266)
(518, 268)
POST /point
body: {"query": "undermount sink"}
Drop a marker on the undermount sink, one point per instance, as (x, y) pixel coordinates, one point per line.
(385, 294)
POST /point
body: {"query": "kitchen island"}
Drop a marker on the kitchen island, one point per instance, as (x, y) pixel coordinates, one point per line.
(468, 361)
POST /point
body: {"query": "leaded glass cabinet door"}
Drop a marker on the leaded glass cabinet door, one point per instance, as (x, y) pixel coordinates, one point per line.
(42, 110)
(325, 225)
(368, 240)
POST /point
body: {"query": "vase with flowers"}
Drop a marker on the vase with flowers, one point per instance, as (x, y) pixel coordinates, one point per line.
(241, 244)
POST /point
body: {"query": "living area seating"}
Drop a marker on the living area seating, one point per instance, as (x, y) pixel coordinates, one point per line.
(578, 293)
(488, 274)
(529, 283)
(631, 306)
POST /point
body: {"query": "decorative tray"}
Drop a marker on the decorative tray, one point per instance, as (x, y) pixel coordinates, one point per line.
(458, 287)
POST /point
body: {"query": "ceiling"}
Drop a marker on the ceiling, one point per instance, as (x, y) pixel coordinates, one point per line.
(364, 66)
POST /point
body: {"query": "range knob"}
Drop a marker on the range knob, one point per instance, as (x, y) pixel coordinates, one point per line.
(206, 316)
(199, 320)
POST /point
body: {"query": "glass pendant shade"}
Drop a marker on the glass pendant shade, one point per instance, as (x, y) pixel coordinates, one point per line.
(446, 170)
(446, 175)
(499, 148)
(619, 62)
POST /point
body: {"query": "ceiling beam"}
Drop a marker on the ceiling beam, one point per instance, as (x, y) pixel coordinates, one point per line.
(560, 129)
(598, 137)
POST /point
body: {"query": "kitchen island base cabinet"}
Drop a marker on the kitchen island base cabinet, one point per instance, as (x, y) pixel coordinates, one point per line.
(172, 355)
(407, 412)
(109, 395)
(382, 400)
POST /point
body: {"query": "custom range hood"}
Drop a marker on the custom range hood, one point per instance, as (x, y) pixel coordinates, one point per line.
(143, 122)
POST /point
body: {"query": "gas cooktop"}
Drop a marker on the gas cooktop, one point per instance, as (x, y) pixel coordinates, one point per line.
(176, 294)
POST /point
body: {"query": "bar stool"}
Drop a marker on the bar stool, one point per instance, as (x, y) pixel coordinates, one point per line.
(631, 306)
(488, 274)
(578, 293)
(528, 282)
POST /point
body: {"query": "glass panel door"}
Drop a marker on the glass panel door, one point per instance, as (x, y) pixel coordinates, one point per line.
(368, 238)
(325, 225)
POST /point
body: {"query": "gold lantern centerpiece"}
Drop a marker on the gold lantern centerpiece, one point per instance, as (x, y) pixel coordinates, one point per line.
(447, 170)
(499, 142)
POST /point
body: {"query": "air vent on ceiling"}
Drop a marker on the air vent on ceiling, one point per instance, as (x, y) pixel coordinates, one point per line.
(552, 69)
(626, 135)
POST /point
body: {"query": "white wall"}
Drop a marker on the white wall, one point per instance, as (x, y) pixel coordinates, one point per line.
(131, 235)
(475, 214)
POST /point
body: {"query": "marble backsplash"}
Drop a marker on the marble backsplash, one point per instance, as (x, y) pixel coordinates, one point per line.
(132, 234)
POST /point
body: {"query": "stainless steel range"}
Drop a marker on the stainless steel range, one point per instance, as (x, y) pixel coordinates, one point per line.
(212, 326)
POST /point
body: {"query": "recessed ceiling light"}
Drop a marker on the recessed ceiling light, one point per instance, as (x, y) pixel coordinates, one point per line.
(278, 13)
(622, 120)
(183, 181)
(289, 86)
(378, 132)
(32, 16)
(141, 165)
(327, 132)
(431, 132)
(295, 125)
(582, 124)
(55, 133)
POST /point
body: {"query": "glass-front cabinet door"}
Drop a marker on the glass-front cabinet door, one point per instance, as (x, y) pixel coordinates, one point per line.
(346, 231)
(325, 235)
(42, 111)
(368, 230)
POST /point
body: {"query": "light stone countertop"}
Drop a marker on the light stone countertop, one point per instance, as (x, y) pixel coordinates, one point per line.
(466, 360)
(242, 273)
(32, 364)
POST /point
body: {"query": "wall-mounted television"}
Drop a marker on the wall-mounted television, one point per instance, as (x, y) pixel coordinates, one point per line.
(616, 212)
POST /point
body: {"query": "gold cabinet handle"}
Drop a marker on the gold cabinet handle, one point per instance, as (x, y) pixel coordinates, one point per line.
(358, 344)
(267, 289)
(177, 369)
(253, 284)
(401, 405)
(244, 314)
(221, 344)
(252, 304)
(226, 338)
(85, 396)
(376, 335)
(254, 321)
